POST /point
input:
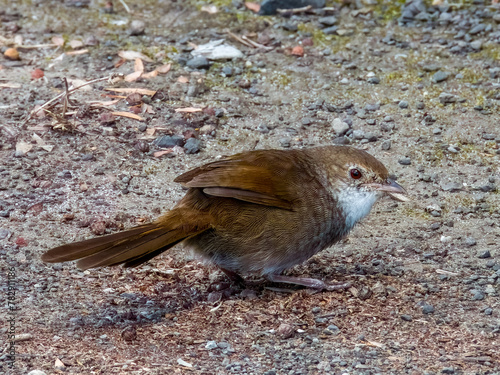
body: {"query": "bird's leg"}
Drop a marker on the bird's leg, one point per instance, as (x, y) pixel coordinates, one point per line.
(234, 277)
(306, 281)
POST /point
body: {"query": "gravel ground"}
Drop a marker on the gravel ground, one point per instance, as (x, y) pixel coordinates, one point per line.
(417, 86)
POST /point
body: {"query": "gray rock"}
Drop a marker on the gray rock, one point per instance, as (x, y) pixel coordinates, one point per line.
(210, 345)
(192, 146)
(488, 136)
(372, 107)
(386, 145)
(358, 134)
(446, 98)
(270, 7)
(169, 141)
(403, 104)
(374, 80)
(285, 142)
(440, 76)
(330, 30)
(477, 295)
(407, 318)
(476, 45)
(137, 27)
(484, 255)
(227, 71)
(448, 370)
(328, 21)
(198, 62)
(470, 241)
(427, 309)
(451, 186)
(339, 127)
(488, 311)
(404, 161)
(477, 29)
(262, 128)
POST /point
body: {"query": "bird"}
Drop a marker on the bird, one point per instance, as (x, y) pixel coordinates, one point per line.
(256, 212)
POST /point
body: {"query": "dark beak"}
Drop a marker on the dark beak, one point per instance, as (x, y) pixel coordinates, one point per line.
(393, 189)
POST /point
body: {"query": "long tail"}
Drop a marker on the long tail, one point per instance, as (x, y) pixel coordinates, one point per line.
(131, 247)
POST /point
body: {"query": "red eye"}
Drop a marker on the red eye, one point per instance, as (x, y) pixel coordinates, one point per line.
(355, 173)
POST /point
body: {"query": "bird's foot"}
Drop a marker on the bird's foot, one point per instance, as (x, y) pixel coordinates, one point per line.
(307, 282)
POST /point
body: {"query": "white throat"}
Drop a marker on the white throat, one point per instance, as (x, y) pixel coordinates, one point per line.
(356, 204)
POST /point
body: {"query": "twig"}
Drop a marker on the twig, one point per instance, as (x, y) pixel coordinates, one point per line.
(125, 6)
(109, 78)
(295, 10)
(247, 41)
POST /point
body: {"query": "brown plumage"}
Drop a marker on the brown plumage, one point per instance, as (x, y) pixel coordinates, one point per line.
(258, 211)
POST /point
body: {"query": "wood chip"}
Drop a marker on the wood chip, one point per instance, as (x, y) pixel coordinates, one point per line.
(127, 90)
(129, 115)
(189, 110)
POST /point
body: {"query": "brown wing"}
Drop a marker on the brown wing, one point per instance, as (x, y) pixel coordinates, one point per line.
(268, 177)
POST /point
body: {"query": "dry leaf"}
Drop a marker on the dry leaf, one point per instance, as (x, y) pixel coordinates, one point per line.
(120, 63)
(150, 75)
(58, 40)
(138, 65)
(254, 7)
(75, 44)
(39, 141)
(129, 115)
(132, 55)
(133, 76)
(131, 90)
(147, 108)
(157, 154)
(188, 110)
(78, 52)
(150, 131)
(22, 148)
(183, 79)
(163, 69)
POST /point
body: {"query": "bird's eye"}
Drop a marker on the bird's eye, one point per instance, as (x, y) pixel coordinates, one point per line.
(355, 174)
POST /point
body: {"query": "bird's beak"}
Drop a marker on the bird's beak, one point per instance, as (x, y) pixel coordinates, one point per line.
(393, 189)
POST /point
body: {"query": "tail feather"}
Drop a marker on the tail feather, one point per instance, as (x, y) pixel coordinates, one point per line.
(128, 250)
(131, 247)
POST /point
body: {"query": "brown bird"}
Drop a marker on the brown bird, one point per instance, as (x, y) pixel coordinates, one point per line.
(254, 212)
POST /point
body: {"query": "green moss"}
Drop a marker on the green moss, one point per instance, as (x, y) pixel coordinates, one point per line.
(411, 212)
(280, 79)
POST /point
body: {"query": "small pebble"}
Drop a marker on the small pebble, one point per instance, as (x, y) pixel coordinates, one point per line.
(403, 104)
(477, 295)
(407, 318)
(404, 161)
(470, 241)
(192, 146)
(198, 62)
(427, 309)
(440, 76)
(484, 255)
(386, 145)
